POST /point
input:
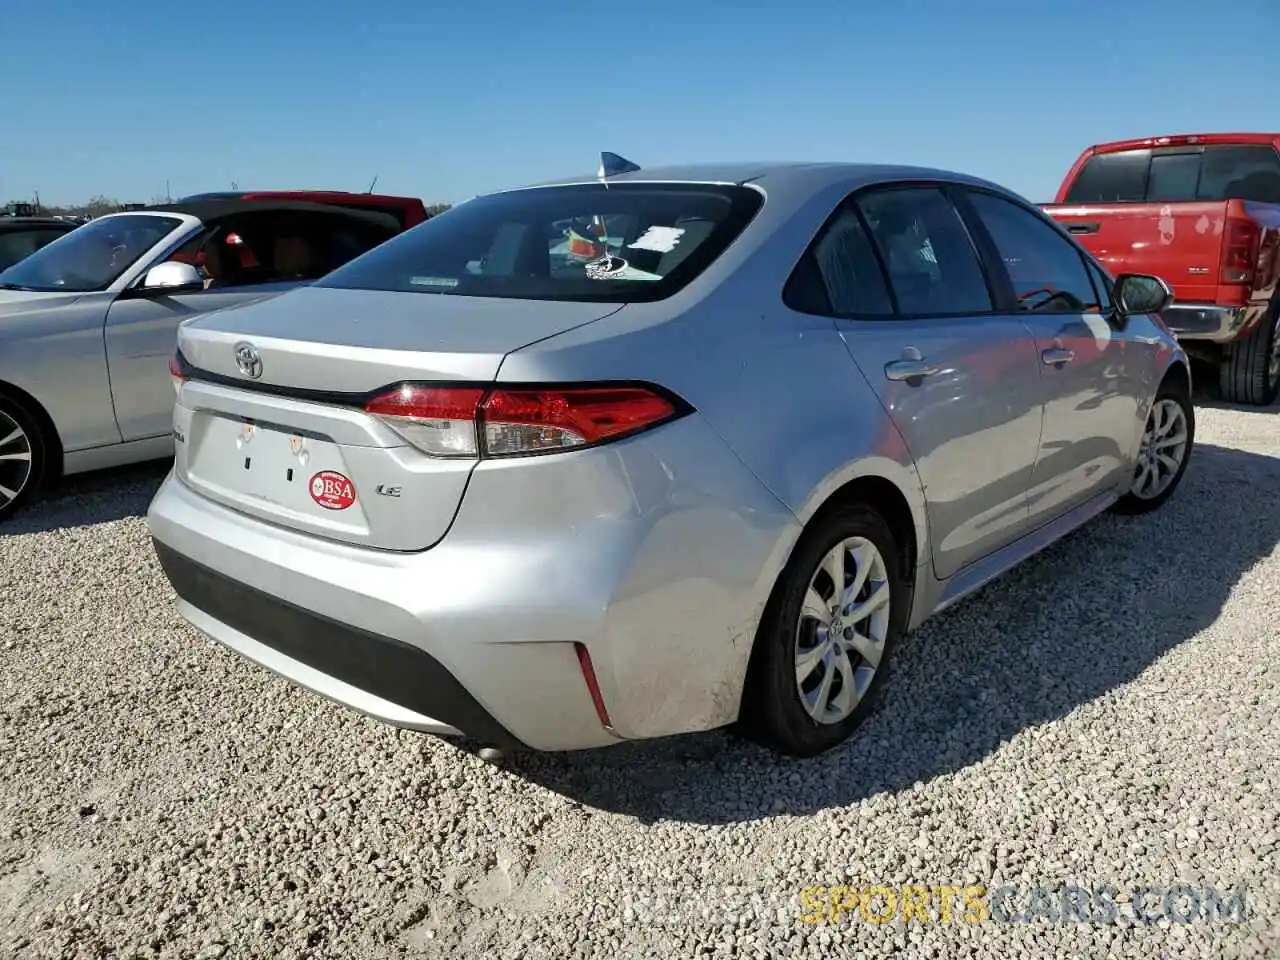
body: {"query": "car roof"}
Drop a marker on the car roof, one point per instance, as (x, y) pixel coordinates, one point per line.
(217, 208)
(308, 196)
(803, 175)
(19, 222)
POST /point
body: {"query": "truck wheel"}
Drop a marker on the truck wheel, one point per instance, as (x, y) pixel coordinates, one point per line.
(1251, 374)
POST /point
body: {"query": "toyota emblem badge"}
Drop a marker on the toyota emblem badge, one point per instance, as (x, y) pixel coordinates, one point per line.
(249, 360)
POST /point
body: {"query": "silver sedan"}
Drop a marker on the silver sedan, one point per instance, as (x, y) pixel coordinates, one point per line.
(658, 451)
(88, 323)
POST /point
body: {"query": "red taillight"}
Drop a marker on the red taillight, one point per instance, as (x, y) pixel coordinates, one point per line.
(1239, 251)
(504, 422)
(530, 421)
(440, 421)
(176, 373)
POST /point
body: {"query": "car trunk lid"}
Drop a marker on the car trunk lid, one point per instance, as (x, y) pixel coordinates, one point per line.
(293, 446)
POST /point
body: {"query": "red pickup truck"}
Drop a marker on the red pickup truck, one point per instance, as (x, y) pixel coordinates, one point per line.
(1203, 212)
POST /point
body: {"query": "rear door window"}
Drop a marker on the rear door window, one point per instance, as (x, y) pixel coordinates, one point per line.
(933, 267)
(618, 243)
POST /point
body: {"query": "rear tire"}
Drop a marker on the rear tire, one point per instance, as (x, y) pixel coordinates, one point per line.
(789, 704)
(24, 456)
(1250, 374)
(1167, 442)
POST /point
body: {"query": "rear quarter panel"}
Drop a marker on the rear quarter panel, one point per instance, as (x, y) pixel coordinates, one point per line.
(778, 391)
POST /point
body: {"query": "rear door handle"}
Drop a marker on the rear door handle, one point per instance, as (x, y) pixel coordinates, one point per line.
(909, 369)
(1051, 358)
(1078, 227)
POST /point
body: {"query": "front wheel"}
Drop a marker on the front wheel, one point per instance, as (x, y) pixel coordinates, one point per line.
(23, 453)
(823, 646)
(1165, 452)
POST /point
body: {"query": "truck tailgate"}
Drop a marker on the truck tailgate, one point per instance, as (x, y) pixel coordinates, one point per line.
(1179, 242)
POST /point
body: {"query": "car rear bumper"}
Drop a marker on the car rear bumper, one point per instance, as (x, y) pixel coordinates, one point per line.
(655, 555)
(1205, 321)
(380, 676)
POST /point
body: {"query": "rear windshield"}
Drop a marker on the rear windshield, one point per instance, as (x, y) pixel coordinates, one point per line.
(620, 243)
(1180, 174)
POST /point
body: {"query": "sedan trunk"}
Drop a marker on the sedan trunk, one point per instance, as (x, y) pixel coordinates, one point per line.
(294, 446)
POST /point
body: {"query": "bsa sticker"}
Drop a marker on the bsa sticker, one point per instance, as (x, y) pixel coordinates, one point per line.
(332, 490)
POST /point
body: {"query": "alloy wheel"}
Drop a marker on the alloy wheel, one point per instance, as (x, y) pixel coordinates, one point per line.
(15, 459)
(840, 637)
(1164, 447)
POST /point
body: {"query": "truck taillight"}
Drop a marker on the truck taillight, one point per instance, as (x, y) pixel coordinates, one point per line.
(512, 421)
(1239, 251)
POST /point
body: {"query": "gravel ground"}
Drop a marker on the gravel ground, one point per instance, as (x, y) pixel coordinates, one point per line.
(1106, 715)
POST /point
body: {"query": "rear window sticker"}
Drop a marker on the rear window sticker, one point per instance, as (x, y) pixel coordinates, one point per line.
(658, 239)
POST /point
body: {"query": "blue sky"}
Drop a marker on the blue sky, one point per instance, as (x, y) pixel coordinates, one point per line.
(444, 100)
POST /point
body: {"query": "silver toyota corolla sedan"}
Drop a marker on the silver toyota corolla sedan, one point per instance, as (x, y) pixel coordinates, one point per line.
(642, 454)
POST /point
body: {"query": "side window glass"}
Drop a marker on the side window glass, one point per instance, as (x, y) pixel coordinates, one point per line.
(1047, 271)
(840, 275)
(933, 267)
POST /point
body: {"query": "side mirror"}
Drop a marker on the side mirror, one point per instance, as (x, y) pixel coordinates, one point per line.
(172, 277)
(1136, 293)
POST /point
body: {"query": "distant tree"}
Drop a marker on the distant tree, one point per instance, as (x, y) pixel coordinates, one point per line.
(101, 205)
(434, 208)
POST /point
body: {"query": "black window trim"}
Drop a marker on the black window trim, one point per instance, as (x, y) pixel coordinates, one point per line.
(1009, 297)
(982, 254)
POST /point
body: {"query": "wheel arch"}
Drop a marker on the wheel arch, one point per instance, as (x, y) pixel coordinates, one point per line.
(887, 499)
(14, 393)
(1178, 371)
(883, 495)
(906, 522)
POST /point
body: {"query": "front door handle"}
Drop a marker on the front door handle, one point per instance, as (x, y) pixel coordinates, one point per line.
(1056, 356)
(912, 366)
